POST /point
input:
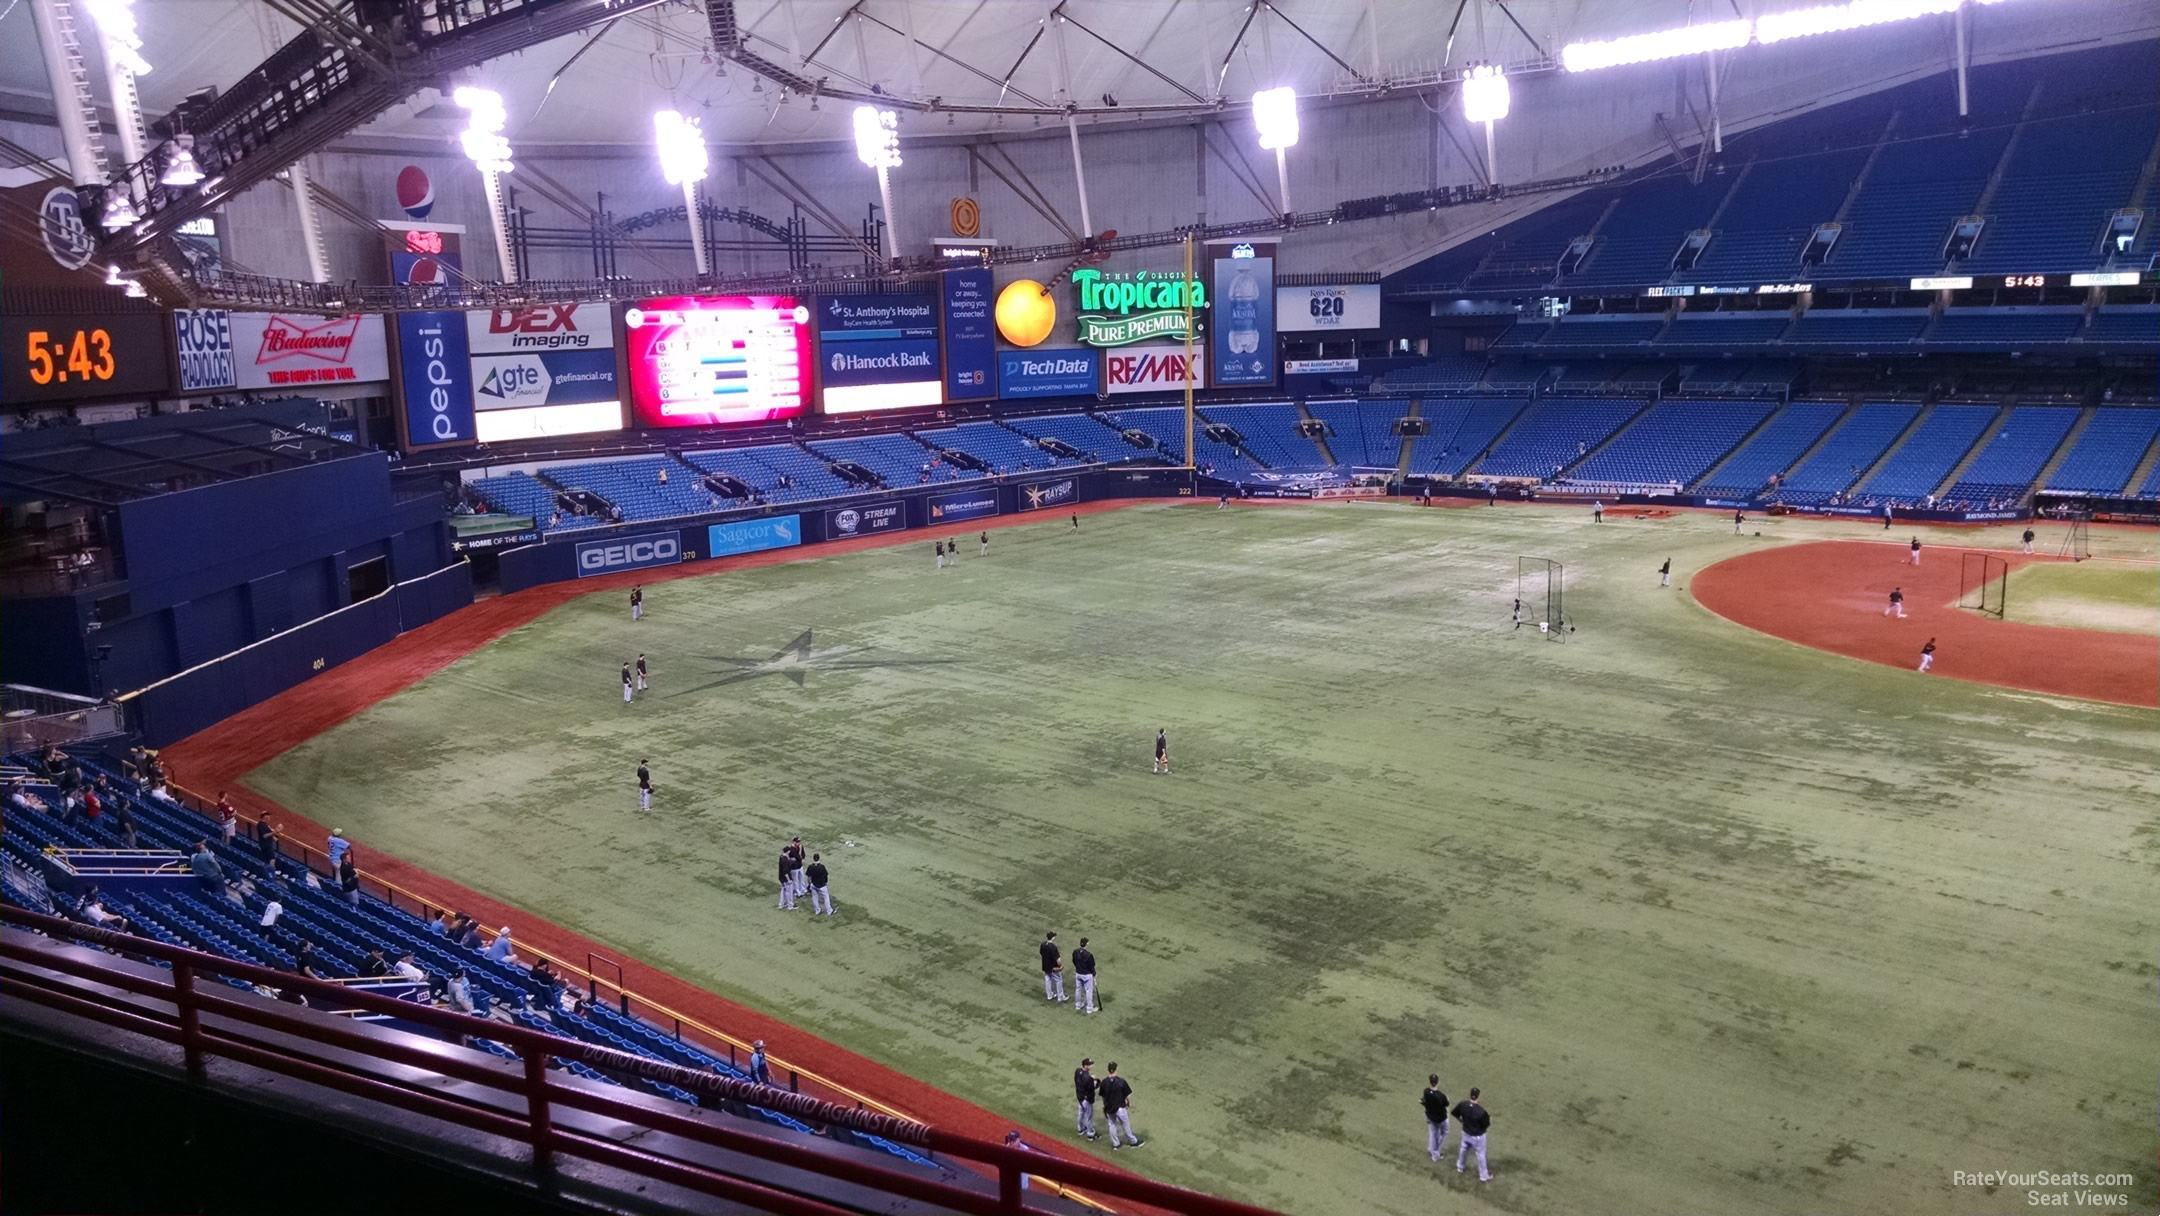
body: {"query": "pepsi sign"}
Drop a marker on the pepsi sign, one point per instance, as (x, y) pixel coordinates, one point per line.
(415, 193)
(435, 376)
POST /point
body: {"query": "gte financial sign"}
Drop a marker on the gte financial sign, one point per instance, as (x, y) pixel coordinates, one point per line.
(1141, 306)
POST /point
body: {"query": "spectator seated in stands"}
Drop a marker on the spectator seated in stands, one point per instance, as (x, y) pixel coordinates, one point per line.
(406, 968)
(547, 987)
(207, 870)
(376, 965)
(500, 950)
(306, 962)
(663, 474)
(20, 797)
(458, 993)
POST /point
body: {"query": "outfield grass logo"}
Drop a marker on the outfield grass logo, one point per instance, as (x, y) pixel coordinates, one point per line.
(795, 662)
(1118, 310)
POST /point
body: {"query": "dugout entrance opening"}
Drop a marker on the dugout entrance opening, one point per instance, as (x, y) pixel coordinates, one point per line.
(1541, 590)
(1984, 584)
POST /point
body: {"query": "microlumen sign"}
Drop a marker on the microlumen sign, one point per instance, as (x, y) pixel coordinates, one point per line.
(1117, 310)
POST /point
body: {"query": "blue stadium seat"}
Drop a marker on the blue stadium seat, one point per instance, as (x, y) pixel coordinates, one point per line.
(1858, 329)
(1856, 444)
(523, 494)
(2007, 467)
(2063, 179)
(635, 487)
(761, 468)
(1635, 244)
(2134, 327)
(1897, 224)
(1772, 212)
(1599, 332)
(1081, 432)
(1362, 432)
(2004, 328)
(1553, 433)
(2108, 452)
(1724, 331)
(1673, 443)
(1774, 448)
(897, 460)
(1928, 454)
(1270, 432)
(1003, 449)
(1458, 431)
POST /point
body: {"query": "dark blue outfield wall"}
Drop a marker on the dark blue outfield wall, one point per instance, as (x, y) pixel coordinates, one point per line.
(935, 513)
(1583, 497)
(201, 696)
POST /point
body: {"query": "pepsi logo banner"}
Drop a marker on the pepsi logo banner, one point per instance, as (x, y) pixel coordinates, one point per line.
(278, 350)
(415, 193)
(505, 331)
(436, 379)
(1153, 369)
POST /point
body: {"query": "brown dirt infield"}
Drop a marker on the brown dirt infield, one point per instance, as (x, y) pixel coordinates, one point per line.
(216, 758)
(1830, 595)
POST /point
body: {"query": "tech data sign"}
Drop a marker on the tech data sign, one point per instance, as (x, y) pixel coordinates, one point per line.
(1143, 306)
(633, 553)
(1153, 369)
(557, 354)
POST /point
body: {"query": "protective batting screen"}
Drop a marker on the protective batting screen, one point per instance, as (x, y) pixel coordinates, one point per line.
(2077, 541)
(1984, 584)
(1540, 584)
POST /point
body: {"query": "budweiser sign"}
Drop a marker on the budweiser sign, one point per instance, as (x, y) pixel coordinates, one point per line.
(329, 341)
(300, 350)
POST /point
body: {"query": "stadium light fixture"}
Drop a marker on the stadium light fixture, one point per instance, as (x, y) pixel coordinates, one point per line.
(1274, 111)
(118, 210)
(1660, 44)
(1831, 18)
(180, 166)
(482, 139)
(877, 144)
(1485, 94)
(116, 23)
(684, 162)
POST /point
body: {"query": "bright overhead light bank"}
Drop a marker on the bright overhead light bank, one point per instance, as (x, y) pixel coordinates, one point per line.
(1731, 35)
(484, 141)
(1274, 111)
(1485, 94)
(877, 137)
(683, 158)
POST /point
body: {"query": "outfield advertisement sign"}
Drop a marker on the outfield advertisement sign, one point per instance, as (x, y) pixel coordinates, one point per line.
(1242, 347)
(202, 337)
(630, 553)
(967, 297)
(1327, 308)
(1153, 369)
(878, 352)
(435, 379)
(863, 521)
(1048, 494)
(1074, 372)
(549, 377)
(952, 508)
(284, 350)
(1310, 367)
(510, 331)
(753, 535)
(1144, 306)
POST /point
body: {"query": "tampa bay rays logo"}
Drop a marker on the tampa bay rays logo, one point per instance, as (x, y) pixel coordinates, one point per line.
(796, 660)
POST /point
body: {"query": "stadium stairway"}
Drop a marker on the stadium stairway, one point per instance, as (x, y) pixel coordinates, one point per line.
(2069, 444)
(2106, 451)
(1890, 450)
(1318, 435)
(1778, 433)
(2144, 480)
(1995, 426)
(1935, 445)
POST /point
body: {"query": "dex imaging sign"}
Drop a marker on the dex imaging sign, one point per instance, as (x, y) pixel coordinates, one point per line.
(634, 553)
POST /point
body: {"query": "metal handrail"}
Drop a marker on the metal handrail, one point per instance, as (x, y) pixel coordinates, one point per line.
(105, 999)
(310, 854)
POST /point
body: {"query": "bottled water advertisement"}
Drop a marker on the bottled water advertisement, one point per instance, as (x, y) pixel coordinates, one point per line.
(1244, 338)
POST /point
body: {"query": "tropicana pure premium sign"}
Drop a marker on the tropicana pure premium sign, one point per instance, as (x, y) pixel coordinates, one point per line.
(1143, 306)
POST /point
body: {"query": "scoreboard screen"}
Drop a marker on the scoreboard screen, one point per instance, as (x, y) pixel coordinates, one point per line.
(707, 360)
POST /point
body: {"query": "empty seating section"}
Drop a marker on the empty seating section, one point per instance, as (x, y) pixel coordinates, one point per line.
(2108, 452)
(2007, 467)
(1005, 451)
(1529, 253)
(1362, 432)
(342, 934)
(1270, 433)
(1916, 189)
(2127, 327)
(1851, 450)
(1636, 243)
(1774, 448)
(1166, 426)
(1858, 330)
(2004, 327)
(1584, 332)
(762, 467)
(523, 494)
(2063, 179)
(1553, 433)
(1772, 212)
(2151, 487)
(634, 486)
(1458, 432)
(1724, 331)
(1929, 453)
(1458, 371)
(896, 459)
(1522, 333)
(1673, 443)
(1081, 432)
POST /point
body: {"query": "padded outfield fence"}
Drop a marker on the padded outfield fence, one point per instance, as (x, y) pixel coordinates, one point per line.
(1984, 584)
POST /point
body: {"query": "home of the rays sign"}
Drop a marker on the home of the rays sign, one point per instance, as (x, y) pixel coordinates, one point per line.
(1141, 306)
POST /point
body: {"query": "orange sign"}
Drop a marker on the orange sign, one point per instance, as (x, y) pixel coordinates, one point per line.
(966, 218)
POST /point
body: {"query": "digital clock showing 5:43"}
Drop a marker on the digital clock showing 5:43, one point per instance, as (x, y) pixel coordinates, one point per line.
(63, 358)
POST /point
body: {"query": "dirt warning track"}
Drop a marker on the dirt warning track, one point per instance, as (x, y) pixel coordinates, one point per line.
(1830, 595)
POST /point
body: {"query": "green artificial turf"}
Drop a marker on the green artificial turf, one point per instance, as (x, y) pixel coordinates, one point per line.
(1720, 924)
(2104, 595)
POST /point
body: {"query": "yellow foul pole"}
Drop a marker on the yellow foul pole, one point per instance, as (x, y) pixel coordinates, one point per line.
(1191, 453)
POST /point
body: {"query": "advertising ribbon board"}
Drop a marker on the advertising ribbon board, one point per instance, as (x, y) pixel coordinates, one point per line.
(753, 535)
(952, 508)
(1047, 494)
(862, 521)
(630, 553)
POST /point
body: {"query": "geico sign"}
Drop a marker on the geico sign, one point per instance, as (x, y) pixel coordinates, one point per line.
(645, 552)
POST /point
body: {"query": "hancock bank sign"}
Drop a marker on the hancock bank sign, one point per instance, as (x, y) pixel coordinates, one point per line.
(1142, 306)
